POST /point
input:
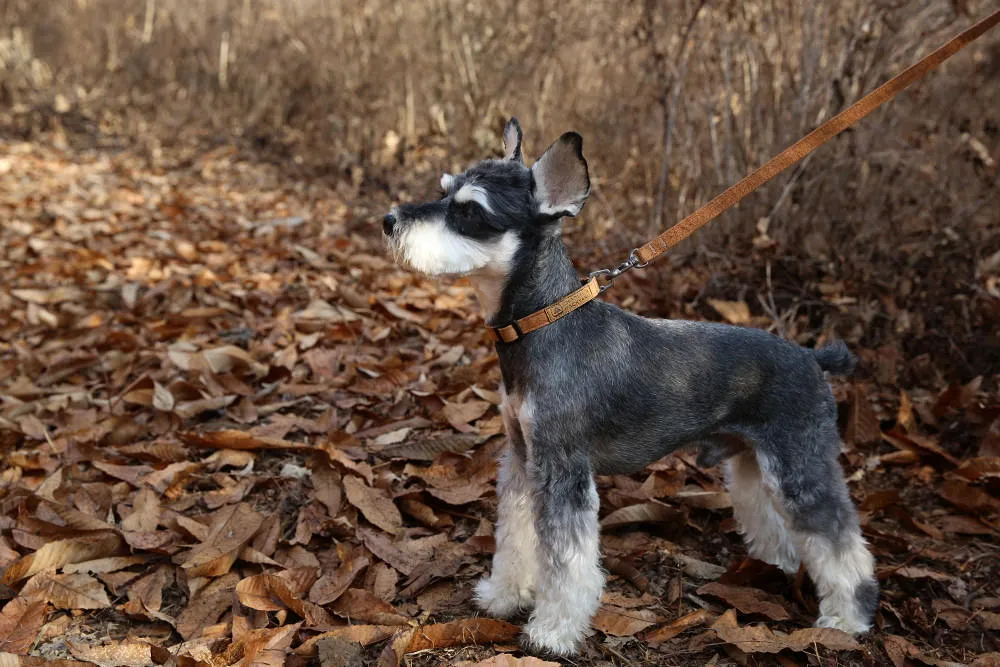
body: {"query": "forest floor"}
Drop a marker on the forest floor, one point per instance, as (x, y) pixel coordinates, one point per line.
(234, 432)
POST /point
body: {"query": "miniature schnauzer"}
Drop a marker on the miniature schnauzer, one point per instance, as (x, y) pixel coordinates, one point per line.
(604, 391)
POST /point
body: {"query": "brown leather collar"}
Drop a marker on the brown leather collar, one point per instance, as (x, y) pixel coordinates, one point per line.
(545, 316)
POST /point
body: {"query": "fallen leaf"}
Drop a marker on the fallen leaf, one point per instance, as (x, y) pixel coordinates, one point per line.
(698, 569)
(162, 398)
(145, 595)
(952, 614)
(759, 639)
(621, 622)
(20, 622)
(67, 591)
(145, 512)
(358, 604)
(676, 627)
(49, 296)
(915, 572)
(104, 565)
(231, 439)
(327, 485)
(461, 495)
(979, 468)
(55, 554)
(375, 504)
(205, 606)
(462, 633)
(265, 647)
(126, 653)
(331, 586)
(362, 634)
(428, 449)
(698, 497)
(914, 442)
(898, 649)
(862, 424)
(968, 498)
(748, 600)
(268, 592)
(734, 312)
(508, 660)
(644, 513)
(460, 414)
(232, 527)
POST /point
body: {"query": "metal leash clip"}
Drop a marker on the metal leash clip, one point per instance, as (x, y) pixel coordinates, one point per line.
(609, 275)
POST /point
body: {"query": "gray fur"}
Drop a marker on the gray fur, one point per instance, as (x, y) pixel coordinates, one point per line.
(613, 392)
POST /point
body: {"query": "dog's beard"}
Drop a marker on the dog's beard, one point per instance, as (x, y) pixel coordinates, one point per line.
(429, 247)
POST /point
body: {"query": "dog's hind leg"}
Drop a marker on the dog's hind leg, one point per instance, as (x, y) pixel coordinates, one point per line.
(511, 586)
(825, 527)
(570, 579)
(757, 508)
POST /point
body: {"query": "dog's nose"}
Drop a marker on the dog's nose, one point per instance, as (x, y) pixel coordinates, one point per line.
(388, 222)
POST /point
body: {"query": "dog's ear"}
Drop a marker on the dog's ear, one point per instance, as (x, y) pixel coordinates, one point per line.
(561, 179)
(512, 141)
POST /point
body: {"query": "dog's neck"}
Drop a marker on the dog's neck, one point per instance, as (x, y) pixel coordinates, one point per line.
(541, 274)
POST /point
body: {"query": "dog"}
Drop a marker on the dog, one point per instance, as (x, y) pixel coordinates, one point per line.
(605, 391)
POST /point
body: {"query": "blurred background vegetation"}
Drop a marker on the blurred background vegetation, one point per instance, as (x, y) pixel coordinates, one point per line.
(896, 220)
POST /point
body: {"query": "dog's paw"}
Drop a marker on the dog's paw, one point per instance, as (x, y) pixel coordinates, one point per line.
(503, 601)
(547, 645)
(851, 627)
(547, 638)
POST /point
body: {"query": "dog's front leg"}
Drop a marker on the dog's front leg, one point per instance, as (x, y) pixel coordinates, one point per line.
(511, 586)
(570, 580)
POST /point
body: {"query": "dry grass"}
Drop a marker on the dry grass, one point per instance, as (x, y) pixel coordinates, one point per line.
(676, 99)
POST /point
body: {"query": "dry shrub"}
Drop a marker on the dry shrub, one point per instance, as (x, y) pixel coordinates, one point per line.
(676, 99)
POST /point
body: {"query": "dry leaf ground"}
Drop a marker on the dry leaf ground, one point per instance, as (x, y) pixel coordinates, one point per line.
(233, 432)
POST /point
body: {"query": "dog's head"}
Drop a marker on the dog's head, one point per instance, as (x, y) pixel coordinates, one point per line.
(486, 212)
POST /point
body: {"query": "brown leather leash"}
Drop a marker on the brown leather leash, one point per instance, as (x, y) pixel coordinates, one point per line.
(603, 279)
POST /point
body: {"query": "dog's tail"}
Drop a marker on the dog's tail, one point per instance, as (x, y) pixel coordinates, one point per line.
(836, 358)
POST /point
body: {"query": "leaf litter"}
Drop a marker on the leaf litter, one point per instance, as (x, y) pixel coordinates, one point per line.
(229, 443)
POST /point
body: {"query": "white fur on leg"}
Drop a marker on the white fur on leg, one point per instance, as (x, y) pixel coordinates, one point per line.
(569, 586)
(511, 586)
(756, 507)
(838, 571)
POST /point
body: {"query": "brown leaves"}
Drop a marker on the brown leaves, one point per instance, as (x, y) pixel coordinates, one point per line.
(759, 639)
(332, 585)
(231, 529)
(862, 427)
(622, 622)
(676, 627)
(734, 312)
(507, 660)
(207, 605)
(54, 555)
(253, 436)
(267, 592)
(20, 621)
(231, 439)
(127, 653)
(748, 600)
(461, 633)
(67, 591)
(644, 513)
(375, 504)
